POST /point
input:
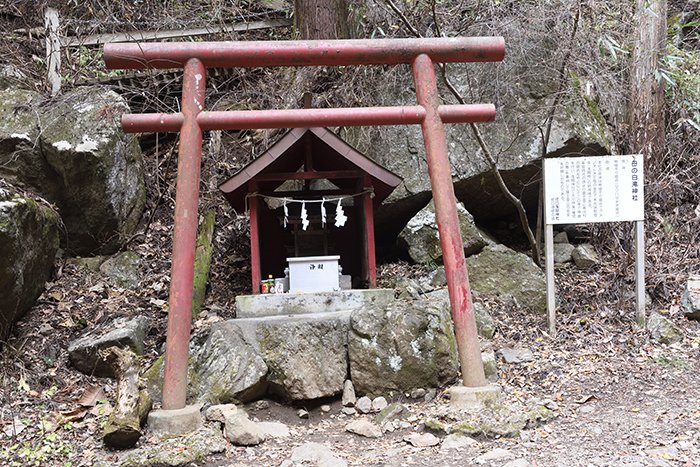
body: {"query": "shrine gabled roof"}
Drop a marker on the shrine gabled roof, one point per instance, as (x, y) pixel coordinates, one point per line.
(329, 153)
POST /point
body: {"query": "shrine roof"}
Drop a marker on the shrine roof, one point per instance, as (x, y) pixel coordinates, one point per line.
(331, 157)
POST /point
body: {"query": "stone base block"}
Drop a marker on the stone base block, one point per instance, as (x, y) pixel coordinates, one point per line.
(260, 305)
(465, 398)
(175, 422)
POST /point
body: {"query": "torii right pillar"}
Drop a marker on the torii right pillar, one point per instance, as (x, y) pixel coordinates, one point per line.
(440, 174)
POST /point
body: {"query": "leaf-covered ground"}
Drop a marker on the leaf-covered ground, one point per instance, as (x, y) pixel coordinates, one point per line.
(619, 396)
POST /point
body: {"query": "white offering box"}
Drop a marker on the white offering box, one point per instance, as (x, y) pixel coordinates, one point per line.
(313, 274)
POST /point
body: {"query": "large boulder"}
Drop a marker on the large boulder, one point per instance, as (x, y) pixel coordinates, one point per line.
(229, 367)
(102, 191)
(20, 158)
(307, 355)
(501, 272)
(297, 357)
(524, 98)
(406, 345)
(224, 366)
(74, 153)
(485, 324)
(29, 235)
(420, 237)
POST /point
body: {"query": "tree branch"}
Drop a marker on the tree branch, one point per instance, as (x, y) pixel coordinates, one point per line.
(561, 83)
(488, 155)
(403, 18)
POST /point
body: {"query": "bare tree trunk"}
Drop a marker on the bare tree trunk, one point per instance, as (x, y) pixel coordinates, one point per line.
(314, 20)
(646, 105)
(321, 19)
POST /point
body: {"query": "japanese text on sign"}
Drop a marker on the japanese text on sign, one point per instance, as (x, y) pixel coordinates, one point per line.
(594, 189)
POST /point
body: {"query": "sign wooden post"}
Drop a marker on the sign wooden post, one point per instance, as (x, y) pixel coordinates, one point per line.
(639, 271)
(53, 49)
(582, 190)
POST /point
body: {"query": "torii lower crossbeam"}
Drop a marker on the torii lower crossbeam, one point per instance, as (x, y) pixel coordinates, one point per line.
(196, 57)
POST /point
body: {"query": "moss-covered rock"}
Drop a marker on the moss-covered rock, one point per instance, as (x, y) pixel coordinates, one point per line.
(406, 345)
(420, 237)
(86, 353)
(501, 272)
(123, 269)
(102, 191)
(306, 356)
(663, 330)
(20, 161)
(295, 357)
(485, 325)
(152, 378)
(29, 234)
(169, 451)
(74, 153)
(488, 359)
(227, 366)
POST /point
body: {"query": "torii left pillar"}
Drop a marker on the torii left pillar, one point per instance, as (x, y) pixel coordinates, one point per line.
(184, 237)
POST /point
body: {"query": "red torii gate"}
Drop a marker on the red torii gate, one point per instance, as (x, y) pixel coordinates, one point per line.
(193, 119)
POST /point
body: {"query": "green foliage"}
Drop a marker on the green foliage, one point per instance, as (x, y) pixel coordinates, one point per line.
(46, 448)
(681, 74)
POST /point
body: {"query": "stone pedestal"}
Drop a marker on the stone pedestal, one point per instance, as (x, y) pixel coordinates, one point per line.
(466, 398)
(175, 422)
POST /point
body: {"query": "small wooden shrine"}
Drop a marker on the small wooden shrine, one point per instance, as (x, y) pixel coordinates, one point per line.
(311, 195)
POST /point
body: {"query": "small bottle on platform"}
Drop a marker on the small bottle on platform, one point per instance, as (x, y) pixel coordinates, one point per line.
(271, 284)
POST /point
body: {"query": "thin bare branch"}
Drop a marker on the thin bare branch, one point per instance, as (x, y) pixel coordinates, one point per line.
(562, 81)
(488, 154)
(403, 18)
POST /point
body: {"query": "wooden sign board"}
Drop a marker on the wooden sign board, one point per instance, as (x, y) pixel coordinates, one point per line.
(582, 190)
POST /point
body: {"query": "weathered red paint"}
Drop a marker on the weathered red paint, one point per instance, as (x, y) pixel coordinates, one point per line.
(369, 236)
(184, 237)
(305, 118)
(167, 55)
(196, 57)
(448, 225)
(253, 206)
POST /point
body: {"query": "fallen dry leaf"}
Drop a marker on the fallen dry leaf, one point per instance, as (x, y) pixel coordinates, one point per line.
(91, 396)
(73, 415)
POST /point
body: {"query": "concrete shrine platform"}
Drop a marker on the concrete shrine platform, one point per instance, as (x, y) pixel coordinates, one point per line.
(256, 306)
